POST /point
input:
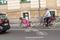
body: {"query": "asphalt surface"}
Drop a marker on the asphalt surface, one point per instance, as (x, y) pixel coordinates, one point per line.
(16, 33)
(17, 27)
(31, 35)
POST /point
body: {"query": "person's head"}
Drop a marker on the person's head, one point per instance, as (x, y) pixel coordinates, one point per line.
(46, 9)
(20, 18)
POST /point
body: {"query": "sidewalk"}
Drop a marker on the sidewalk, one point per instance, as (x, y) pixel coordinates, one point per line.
(38, 28)
(17, 27)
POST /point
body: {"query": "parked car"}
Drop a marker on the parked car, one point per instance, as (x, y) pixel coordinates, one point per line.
(4, 23)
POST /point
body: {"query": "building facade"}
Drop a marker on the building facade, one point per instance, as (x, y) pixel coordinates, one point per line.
(29, 9)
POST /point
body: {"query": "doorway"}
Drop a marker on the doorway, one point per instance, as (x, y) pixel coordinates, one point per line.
(53, 12)
(25, 15)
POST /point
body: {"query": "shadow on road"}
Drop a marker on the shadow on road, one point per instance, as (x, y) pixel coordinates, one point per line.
(1, 33)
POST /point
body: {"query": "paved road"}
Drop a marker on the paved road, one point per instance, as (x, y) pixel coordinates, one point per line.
(17, 26)
(31, 35)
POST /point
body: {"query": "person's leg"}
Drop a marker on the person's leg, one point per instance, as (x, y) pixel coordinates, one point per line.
(46, 20)
(21, 23)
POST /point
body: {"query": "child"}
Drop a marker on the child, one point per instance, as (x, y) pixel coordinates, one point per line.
(26, 23)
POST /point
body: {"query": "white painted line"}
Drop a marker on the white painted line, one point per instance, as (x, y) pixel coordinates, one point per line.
(44, 29)
(34, 37)
(14, 29)
(27, 30)
(41, 33)
(33, 29)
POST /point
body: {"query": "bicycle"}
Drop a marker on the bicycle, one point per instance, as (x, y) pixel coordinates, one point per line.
(51, 24)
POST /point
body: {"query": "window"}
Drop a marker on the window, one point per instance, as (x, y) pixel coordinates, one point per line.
(25, 1)
(58, 3)
(34, 4)
(3, 2)
(42, 3)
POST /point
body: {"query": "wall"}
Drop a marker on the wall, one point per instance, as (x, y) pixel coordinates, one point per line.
(58, 12)
(51, 3)
(14, 16)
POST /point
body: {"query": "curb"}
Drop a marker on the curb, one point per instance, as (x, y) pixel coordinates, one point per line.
(34, 29)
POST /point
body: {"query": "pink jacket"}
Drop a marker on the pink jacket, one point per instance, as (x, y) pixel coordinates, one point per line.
(26, 23)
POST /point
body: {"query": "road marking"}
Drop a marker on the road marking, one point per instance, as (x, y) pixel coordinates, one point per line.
(35, 30)
(41, 33)
(27, 30)
(34, 37)
(32, 29)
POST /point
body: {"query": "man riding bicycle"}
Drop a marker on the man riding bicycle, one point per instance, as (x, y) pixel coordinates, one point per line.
(47, 18)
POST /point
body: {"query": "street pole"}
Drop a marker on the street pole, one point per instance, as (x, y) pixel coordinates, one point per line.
(39, 8)
(39, 16)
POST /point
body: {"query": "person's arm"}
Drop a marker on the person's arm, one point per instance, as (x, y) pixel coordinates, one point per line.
(46, 14)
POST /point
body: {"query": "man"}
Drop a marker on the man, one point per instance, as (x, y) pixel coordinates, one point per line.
(47, 17)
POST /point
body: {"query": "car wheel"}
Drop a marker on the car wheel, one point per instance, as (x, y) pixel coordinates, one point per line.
(4, 31)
